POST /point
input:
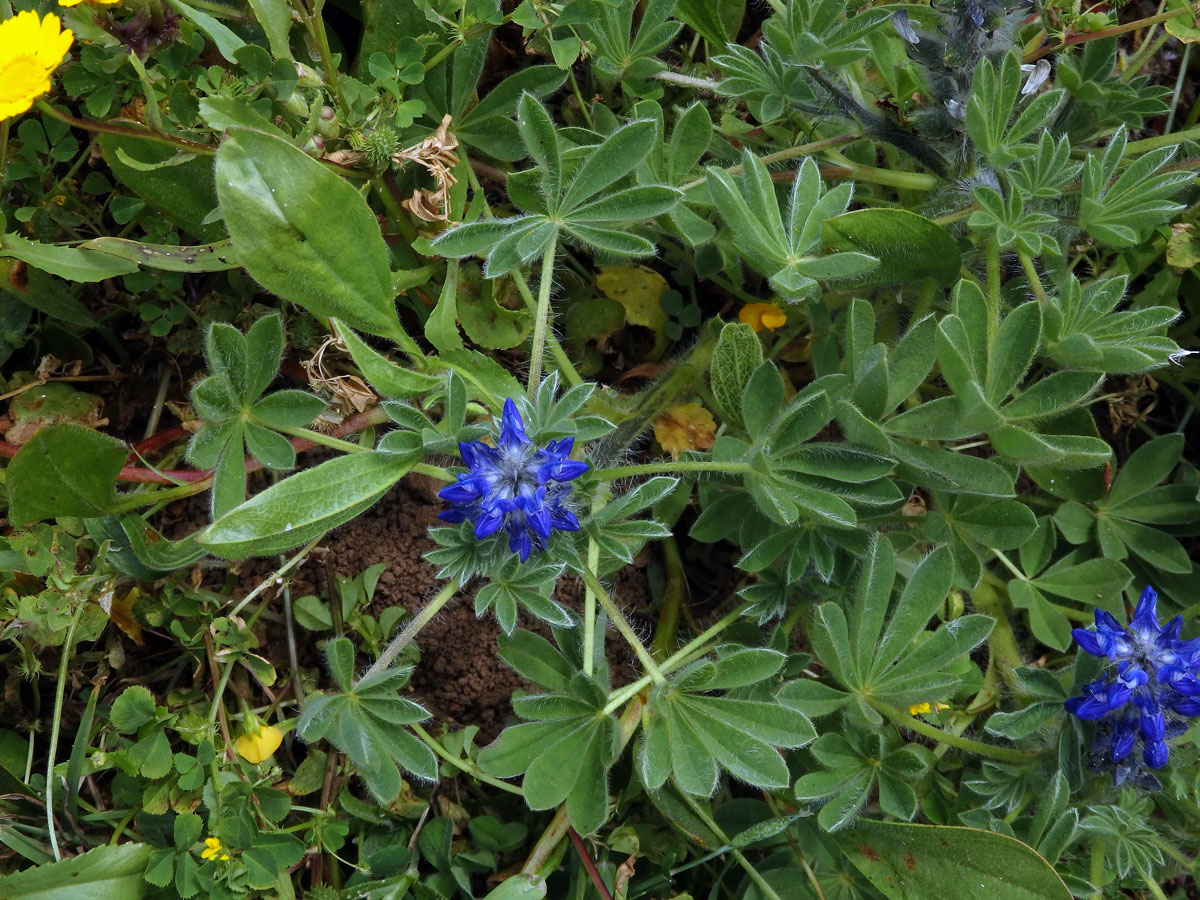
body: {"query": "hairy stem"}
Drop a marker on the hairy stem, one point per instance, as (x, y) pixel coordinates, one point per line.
(463, 765)
(59, 695)
(423, 618)
(670, 468)
(541, 317)
(623, 626)
(913, 723)
(751, 870)
(680, 657)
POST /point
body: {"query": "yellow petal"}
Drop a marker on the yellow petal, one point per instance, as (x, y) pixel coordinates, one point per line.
(254, 748)
(762, 315)
(918, 708)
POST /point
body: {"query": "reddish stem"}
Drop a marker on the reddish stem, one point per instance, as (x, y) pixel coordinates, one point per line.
(586, 859)
(142, 475)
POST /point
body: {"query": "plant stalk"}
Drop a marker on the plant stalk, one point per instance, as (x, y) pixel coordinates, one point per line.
(541, 317)
(423, 618)
(623, 626)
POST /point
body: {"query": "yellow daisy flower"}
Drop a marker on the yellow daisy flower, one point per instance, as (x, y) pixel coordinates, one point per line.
(762, 315)
(259, 742)
(212, 850)
(30, 49)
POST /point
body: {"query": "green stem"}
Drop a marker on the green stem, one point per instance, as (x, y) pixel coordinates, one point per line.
(749, 869)
(3, 151)
(325, 440)
(423, 618)
(130, 502)
(671, 468)
(1002, 642)
(60, 690)
(914, 723)
(1035, 281)
(992, 249)
(668, 617)
(623, 626)
(589, 597)
(787, 153)
(907, 181)
(681, 656)
(277, 576)
(463, 765)
(1151, 883)
(541, 317)
(1096, 868)
(565, 367)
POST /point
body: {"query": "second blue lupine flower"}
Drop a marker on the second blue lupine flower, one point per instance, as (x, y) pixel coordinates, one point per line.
(1155, 687)
(515, 485)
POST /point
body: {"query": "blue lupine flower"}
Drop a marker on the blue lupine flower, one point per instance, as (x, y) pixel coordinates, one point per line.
(1154, 689)
(514, 485)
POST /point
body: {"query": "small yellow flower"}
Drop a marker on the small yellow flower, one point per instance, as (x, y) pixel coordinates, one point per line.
(30, 49)
(212, 850)
(97, 2)
(762, 315)
(260, 740)
(926, 707)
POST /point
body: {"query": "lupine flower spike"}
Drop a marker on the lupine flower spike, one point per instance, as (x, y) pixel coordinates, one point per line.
(1153, 691)
(514, 485)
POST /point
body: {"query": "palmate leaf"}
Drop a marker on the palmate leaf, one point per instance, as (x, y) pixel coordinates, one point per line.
(565, 749)
(585, 204)
(890, 657)
(1084, 329)
(691, 735)
(564, 753)
(1119, 212)
(856, 763)
(529, 586)
(784, 244)
(365, 720)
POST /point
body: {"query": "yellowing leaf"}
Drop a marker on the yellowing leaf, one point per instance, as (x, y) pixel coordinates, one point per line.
(638, 289)
(688, 426)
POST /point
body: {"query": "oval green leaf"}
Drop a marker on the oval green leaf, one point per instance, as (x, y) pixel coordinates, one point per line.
(931, 862)
(909, 247)
(304, 233)
(303, 506)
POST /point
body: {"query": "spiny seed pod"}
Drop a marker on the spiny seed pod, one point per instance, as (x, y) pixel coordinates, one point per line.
(377, 145)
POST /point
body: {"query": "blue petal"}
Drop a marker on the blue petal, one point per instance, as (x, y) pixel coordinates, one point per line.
(512, 428)
(1145, 616)
(454, 514)
(1153, 726)
(1155, 754)
(460, 492)
(539, 521)
(487, 525)
(1091, 642)
(564, 520)
(1122, 743)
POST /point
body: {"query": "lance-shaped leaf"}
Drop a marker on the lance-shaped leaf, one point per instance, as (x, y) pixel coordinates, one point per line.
(305, 505)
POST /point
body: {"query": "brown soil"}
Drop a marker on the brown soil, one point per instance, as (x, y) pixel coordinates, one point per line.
(460, 678)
